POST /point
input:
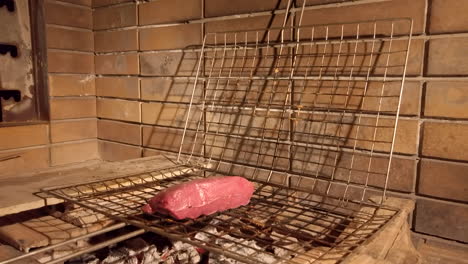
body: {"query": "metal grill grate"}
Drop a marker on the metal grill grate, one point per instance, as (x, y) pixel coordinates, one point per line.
(308, 113)
(304, 227)
(308, 103)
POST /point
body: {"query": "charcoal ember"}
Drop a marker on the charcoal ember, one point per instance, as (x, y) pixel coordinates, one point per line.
(165, 253)
(137, 244)
(62, 251)
(115, 257)
(160, 242)
(84, 259)
(284, 245)
(128, 252)
(131, 260)
(241, 246)
(125, 260)
(207, 235)
(259, 222)
(150, 256)
(134, 246)
(183, 253)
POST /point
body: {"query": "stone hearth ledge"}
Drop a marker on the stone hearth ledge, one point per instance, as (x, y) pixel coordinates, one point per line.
(19, 193)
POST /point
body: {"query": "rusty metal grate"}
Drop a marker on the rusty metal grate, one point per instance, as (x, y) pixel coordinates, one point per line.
(304, 227)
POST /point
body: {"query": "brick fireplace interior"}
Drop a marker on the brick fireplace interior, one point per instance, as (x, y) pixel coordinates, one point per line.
(115, 91)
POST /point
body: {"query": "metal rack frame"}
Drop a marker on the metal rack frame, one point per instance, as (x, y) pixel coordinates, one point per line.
(303, 102)
(307, 227)
(307, 113)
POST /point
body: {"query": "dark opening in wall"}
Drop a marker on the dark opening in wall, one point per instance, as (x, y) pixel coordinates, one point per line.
(23, 93)
(10, 4)
(8, 48)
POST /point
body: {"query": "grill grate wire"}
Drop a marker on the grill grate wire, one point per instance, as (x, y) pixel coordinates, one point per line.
(308, 226)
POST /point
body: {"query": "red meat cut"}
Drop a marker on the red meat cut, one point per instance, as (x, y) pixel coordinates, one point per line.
(201, 197)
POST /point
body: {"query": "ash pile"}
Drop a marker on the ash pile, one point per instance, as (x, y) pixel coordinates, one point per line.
(146, 249)
(152, 248)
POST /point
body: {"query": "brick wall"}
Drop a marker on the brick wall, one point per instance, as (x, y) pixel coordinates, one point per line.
(142, 93)
(70, 136)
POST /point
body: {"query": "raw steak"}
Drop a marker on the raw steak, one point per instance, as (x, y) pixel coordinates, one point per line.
(201, 197)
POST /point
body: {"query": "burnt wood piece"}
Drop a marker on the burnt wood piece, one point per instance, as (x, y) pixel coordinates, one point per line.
(7, 94)
(5, 48)
(10, 5)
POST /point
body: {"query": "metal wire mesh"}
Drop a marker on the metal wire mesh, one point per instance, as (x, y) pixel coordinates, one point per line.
(304, 227)
(309, 114)
(321, 102)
